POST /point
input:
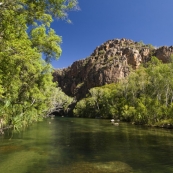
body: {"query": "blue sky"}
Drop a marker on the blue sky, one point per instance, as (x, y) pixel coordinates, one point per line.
(97, 21)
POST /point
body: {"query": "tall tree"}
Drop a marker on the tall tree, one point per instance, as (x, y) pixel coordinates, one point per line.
(25, 78)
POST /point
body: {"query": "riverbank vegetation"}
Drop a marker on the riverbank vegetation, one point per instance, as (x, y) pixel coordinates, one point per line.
(144, 97)
(26, 88)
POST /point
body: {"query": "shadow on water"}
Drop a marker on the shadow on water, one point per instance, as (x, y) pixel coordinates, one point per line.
(77, 145)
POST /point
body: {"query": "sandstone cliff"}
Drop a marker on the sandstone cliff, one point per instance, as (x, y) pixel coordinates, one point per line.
(109, 63)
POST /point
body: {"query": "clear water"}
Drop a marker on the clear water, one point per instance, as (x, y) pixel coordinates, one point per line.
(76, 145)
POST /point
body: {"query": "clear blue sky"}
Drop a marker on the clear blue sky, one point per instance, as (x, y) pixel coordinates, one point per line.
(97, 21)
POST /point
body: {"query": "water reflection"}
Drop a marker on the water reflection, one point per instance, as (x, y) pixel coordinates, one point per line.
(87, 145)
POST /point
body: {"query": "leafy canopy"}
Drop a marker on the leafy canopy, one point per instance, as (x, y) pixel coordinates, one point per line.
(35, 17)
(143, 97)
(26, 87)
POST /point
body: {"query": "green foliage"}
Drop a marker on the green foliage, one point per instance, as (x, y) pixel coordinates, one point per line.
(17, 15)
(47, 43)
(26, 82)
(27, 93)
(59, 100)
(99, 103)
(144, 97)
(140, 44)
(128, 112)
(150, 46)
(101, 52)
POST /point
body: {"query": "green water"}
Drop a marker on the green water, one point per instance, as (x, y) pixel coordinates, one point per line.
(74, 145)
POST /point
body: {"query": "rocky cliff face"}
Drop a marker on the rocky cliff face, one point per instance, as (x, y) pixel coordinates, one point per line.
(109, 63)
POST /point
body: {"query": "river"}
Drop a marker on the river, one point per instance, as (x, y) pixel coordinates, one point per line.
(77, 145)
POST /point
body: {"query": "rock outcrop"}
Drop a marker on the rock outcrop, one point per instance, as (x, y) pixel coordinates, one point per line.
(109, 63)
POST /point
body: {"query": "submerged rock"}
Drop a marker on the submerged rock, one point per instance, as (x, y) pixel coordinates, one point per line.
(93, 167)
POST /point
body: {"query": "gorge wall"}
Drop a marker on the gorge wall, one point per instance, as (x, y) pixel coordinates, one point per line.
(109, 63)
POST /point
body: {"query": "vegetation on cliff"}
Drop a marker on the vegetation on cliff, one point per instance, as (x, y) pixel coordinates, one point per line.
(143, 97)
(109, 63)
(26, 87)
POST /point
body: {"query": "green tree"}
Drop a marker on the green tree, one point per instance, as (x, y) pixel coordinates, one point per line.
(144, 97)
(38, 15)
(59, 101)
(25, 78)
